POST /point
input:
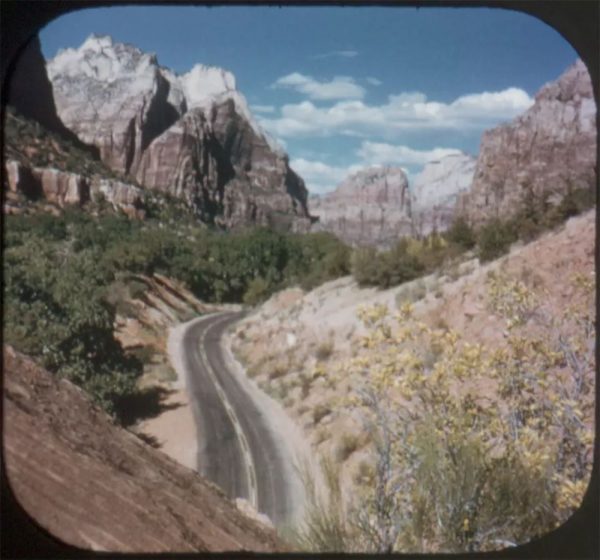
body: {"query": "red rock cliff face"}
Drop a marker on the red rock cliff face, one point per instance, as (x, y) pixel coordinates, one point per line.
(547, 150)
(65, 188)
(191, 136)
(220, 166)
(371, 207)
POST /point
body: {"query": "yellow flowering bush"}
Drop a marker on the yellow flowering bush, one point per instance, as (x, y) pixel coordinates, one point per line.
(476, 448)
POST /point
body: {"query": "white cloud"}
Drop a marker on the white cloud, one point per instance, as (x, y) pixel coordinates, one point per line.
(374, 81)
(343, 54)
(402, 112)
(397, 155)
(340, 87)
(321, 177)
(263, 108)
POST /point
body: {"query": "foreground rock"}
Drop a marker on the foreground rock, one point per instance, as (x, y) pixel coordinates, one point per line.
(544, 152)
(192, 136)
(371, 207)
(436, 189)
(94, 485)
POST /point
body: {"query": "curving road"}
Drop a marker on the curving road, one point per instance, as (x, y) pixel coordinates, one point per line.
(237, 449)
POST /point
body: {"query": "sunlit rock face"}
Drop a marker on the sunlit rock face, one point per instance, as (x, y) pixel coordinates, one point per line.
(546, 151)
(371, 207)
(436, 189)
(65, 188)
(192, 135)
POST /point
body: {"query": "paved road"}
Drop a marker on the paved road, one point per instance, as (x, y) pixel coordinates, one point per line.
(236, 448)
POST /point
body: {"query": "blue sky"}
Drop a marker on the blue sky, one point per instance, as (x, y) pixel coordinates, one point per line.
(343, 88)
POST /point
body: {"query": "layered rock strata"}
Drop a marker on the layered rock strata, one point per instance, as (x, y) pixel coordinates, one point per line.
(548, 150)
(65, 188)
(436, 189)
(192, 136)
(371, 207)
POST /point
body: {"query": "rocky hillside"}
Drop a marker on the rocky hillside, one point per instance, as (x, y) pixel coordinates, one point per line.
(191, 136)
(46, 161)
(96, 486)
(371, 207)
(542, 154)
(297, 346)
(545, 152)
(436, 189)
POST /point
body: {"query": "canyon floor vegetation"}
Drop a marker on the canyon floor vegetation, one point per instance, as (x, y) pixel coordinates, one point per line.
(67, 276)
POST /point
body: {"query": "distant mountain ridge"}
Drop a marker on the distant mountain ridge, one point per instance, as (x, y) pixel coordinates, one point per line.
(436, 189)
(548, 150)
(191, 136)
(544, 153)
(371, 206)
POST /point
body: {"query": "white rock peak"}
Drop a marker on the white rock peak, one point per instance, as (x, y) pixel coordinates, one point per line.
(442, 180)
(202, 84)
(103, 61)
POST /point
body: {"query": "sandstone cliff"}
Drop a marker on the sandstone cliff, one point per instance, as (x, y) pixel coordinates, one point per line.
(436, 189)
(371, 207)
(97, 486)
(65, 188)
(546, 151)
(192, 136)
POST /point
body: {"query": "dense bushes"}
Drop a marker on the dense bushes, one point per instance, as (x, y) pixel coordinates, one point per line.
(494, 239)
(461, 233)
(406, 260)
(410, 258)
(484, 446)
(62, 274)
(56, 310)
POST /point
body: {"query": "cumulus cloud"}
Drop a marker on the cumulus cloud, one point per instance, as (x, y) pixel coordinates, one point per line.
(321, 177)
(263, 108)
(374, 81)
(342, 54)
(390, 154)
(340, 87)
(402, 112)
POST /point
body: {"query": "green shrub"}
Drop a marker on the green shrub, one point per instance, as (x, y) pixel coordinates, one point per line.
(144, 354)
(494, 239)
(399, 265)
(137, 289)
(574, 202)
(365, 265)
(461, 233)
(258, 290)
(388, 268)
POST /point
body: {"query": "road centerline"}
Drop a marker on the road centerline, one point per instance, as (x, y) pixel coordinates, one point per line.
(241, 436)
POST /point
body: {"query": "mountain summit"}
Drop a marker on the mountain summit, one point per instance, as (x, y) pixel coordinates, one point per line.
(192, 135)
(370, 207)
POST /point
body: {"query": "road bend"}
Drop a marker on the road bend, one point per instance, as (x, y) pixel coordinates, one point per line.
(237, 449)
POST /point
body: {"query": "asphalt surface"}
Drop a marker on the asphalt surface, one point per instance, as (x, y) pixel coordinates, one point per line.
(236, 448)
